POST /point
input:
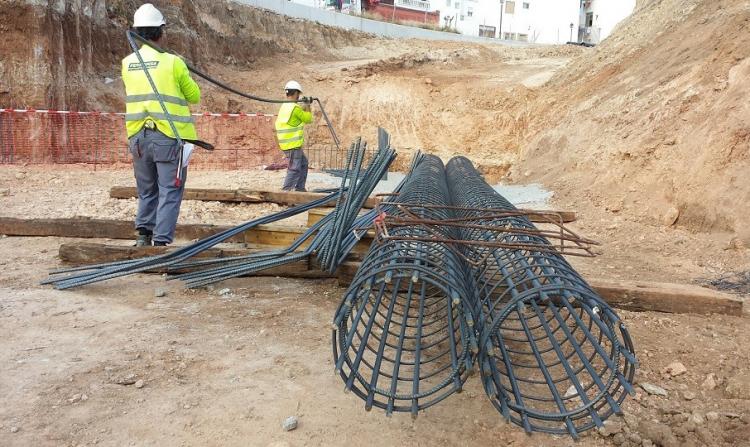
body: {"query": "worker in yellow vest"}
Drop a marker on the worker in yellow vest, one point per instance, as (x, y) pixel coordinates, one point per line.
(151, 140)
(290, 135)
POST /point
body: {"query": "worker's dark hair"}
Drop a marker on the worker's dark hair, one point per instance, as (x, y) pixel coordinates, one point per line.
(153, 33)
(291, 91)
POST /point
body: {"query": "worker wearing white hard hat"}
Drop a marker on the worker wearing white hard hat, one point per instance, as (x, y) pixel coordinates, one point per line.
(290, 123)
(151, 138)
(148, 16)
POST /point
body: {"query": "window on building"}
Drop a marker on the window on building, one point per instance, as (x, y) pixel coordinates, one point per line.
(486, 31)
(508, 36)
(589, 19)
(510, 7)
(470, 12)
(526, 5)
(523, 37)
(462, 17)
(448, 3)
(457, 5)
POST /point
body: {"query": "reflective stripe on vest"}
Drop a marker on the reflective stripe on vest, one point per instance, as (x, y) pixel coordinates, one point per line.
(290, 137)
(153, 97)
(141, 116)
(141, 102)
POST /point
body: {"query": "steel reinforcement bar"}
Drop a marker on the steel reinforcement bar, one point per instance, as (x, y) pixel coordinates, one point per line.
(402, 336)
(554, 356)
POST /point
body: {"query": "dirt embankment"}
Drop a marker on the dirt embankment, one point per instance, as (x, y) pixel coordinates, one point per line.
(67, 54)
(653, 123)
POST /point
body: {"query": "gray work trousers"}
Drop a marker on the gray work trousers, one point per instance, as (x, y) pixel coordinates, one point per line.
(296, 172)
(155, 158)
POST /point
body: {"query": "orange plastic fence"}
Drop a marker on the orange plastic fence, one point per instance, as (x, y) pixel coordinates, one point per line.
(242, 141)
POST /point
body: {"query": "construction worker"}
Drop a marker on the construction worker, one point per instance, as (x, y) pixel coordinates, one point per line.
(151, 139)
(290, 135)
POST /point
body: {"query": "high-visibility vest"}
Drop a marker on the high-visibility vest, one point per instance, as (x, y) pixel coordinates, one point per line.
(290, 137)
(141, 102)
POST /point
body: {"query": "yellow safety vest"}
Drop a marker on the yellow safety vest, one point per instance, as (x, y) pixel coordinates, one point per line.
(290, 137)
(141, 102)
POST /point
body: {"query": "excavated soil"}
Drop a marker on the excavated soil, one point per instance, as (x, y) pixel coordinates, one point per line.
(643, 136)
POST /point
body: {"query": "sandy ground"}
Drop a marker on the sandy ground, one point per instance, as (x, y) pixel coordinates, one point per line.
(631, 249)
(78, 191)
(228, 369)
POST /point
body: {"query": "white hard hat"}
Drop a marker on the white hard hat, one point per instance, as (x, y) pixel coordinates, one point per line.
(293, 85)
(148, 16)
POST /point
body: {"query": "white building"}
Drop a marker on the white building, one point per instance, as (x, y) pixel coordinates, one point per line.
(537, 21)
(599, 17)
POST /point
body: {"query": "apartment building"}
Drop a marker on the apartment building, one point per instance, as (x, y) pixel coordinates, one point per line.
(536, 21)
(599, 17)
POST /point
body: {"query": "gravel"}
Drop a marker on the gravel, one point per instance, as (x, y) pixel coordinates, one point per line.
(289, 423)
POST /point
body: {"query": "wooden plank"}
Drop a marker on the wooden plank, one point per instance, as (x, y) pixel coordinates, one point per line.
(92, 253)
(240, 195)
(637, 295)
(206, 194)
(84, 227)
(664, 297)
(629, 295)
(315, 214)
(283, 236)
(81, 227)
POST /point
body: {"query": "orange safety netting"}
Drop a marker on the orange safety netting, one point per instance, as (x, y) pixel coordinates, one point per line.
(241, 141)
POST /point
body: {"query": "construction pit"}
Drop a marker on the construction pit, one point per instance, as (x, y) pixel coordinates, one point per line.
(617, 133)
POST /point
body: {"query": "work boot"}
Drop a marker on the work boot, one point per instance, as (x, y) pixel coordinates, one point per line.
(144, 237)
(143, 240)
(160, 244)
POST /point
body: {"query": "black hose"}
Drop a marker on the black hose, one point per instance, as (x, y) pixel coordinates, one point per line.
(132, 35)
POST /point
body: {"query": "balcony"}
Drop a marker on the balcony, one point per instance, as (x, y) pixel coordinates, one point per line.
(416, 5)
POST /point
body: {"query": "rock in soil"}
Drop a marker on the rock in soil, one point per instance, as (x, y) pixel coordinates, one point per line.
(688, 395)
(659, 434)
(610, 428)
(670, 217)
(619, 439)
(738, 387)
(710, 382)
(697, 418)
(675, 369)
(653, 389)
(160, 292)
(139, 384)
(127, 380)
(290, 423)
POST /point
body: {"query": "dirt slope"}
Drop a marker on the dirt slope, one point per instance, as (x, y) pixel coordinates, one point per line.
(655, 120)
(651, 124)
(66, 54)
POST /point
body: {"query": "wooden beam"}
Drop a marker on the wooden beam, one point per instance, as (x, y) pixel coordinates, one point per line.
(665, 297)
(637, 295)
(629, 295)
(240, 195)
(84, 227)
(91, 253)
(81, 227)
(315, 214)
